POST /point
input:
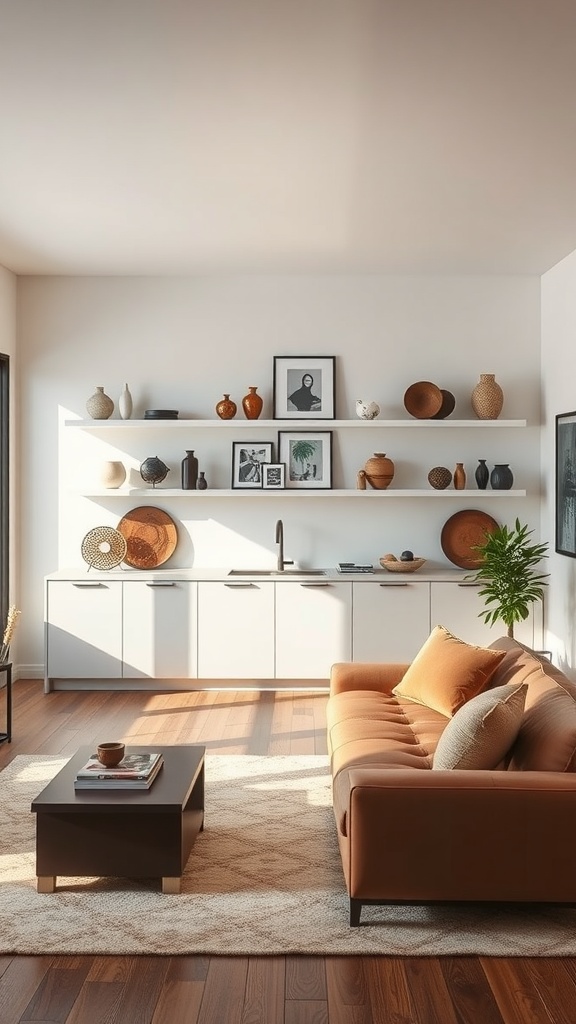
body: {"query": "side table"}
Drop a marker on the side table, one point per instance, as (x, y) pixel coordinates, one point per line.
(7, 668)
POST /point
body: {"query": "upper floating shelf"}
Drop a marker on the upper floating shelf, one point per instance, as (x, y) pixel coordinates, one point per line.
(292, 424)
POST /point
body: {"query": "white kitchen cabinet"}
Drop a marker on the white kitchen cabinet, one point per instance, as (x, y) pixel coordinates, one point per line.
(83, 629)
(159, 629)
(456, 605)
(236, 630)
(390, 619)
(313, 628)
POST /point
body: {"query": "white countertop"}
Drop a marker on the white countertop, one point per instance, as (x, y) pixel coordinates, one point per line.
(434, 574)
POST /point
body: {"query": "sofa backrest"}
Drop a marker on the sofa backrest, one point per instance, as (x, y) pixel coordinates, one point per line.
(547, 737)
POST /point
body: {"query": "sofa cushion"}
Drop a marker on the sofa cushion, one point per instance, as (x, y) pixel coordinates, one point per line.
(547, 738)
(447, 672)
(483, 730)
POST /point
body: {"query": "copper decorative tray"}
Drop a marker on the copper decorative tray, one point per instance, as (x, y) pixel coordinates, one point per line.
(462, 532)
(151, 537)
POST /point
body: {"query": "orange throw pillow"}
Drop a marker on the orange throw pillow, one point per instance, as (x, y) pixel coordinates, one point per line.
(447, 672)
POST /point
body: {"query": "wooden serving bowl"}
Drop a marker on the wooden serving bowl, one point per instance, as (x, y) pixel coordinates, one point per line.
(423, 400)
(398, 566)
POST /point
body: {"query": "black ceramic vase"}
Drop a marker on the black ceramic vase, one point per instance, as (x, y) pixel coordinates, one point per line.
(189, 471)
(501, 477)
(202, 482)
(482, 474)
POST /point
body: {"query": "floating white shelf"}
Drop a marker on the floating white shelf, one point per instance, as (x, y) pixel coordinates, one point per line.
(293, 424)
(296, 492)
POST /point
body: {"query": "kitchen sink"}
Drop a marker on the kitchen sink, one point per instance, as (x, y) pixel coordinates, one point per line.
(276, 572)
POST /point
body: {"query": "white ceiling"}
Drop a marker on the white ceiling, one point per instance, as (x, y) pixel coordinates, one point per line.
(191, 136)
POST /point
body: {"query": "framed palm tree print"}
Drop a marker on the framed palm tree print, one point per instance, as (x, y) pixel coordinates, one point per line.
(308, 458)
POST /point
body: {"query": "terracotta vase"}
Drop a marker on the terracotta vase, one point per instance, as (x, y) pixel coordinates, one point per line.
(226, 408)
(487, 397)
(252, 404)
(379, 471)
(99, 405)
(459, 477)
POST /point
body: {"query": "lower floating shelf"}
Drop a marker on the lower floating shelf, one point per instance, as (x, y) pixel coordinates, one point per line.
(298, 492)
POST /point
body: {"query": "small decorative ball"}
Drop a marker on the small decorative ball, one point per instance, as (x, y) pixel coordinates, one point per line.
(440, 478)
(407, 556)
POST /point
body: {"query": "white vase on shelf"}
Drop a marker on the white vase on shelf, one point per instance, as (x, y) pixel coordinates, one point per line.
(125, 404)
(112, 474)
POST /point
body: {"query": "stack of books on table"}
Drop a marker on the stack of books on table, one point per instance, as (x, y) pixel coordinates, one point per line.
(135, 771)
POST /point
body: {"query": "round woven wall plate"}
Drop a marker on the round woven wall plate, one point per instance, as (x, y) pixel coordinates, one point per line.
(103, 547)
(151, 536)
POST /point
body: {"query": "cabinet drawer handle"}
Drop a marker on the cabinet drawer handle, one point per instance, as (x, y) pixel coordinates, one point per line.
(162, 583)
(467, 584)
(240, 586)
(392, 584)
(309, 585)
(87, 586)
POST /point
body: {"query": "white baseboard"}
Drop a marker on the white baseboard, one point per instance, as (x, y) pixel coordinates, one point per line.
(28, 672)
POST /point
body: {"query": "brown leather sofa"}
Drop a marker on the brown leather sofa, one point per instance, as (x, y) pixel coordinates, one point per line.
(411, 833)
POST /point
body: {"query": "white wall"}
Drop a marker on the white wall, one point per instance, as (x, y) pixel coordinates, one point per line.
(559, 396)
(8, 347)
(183, 342)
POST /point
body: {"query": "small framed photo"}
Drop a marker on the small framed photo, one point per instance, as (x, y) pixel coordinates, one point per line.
(566, 484)
(304, 387)
(248, 460)
(308, 457)
(273, 476)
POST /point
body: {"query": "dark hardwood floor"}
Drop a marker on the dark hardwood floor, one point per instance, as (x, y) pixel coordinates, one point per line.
(248, 990)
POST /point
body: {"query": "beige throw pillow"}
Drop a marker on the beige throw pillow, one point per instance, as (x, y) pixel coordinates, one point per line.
(482, 732)
(447, 672)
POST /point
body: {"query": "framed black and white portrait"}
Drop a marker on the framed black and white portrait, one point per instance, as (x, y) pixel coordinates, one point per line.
(566, 484)
(248, 459)
(304, 387)
(308, 458)
(273, 476)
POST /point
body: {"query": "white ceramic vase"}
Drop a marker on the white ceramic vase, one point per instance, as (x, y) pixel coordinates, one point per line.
(367, 410)
(125, 404)
(112, 474)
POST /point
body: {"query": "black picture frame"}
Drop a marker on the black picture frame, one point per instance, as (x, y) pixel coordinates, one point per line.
(273, 476)
(304, 387)
(248, 458)
(308, 458)
(566, 484)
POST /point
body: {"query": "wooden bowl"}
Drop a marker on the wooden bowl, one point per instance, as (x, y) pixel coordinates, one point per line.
(423, 400)
(110, 754)
(398, 566)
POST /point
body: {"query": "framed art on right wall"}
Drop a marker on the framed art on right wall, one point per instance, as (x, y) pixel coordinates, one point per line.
(566, 484)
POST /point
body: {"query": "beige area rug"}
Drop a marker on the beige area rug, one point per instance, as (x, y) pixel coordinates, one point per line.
(263, 878)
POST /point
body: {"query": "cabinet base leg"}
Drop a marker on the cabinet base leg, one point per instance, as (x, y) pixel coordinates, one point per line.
(46, 883)
(171, 884)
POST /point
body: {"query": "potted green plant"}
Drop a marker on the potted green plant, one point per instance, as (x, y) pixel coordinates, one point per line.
(510, 575)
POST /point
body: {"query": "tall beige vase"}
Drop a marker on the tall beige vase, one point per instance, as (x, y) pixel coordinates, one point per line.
(487, 397)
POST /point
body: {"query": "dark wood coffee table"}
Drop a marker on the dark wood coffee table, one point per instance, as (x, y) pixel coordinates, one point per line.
(124, 833)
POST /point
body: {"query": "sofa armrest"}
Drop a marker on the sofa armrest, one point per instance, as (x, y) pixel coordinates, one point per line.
(380, 676)
(461, 835)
